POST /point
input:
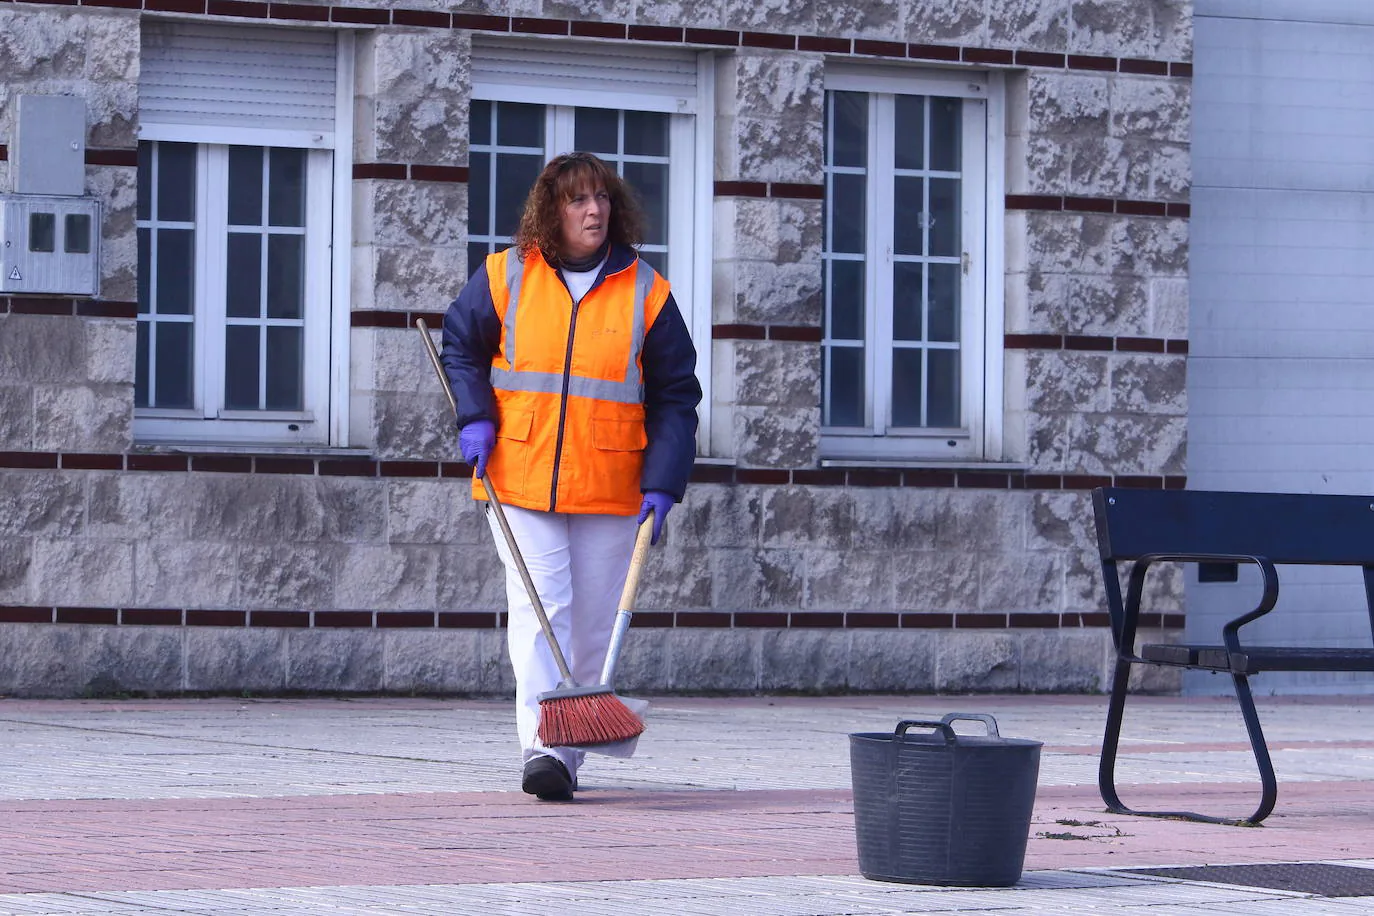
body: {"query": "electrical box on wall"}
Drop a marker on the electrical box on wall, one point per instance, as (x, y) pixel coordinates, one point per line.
(50, 145)
(49, 245)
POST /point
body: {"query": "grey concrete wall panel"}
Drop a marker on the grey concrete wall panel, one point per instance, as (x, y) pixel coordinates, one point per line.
(1258, 253)
(1278, 382)
(1265, 89)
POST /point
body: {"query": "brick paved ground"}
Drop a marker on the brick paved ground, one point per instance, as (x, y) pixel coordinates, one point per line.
(736, 806)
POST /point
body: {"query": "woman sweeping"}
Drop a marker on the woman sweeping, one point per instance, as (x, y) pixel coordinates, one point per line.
(575, 380)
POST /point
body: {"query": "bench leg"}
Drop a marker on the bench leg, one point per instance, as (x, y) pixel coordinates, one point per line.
(1269, 786)
(1111, 739)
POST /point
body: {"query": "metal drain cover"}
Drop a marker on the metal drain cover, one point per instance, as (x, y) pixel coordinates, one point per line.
(1300, 877)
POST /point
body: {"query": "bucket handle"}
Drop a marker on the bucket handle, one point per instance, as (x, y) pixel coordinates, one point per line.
(944, 727)
(983, 717)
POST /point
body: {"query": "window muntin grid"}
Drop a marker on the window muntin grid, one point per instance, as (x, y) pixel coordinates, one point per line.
(511, 141)
(893, 262)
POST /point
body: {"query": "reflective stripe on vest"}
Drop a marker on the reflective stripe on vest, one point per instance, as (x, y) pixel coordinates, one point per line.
(629, 391)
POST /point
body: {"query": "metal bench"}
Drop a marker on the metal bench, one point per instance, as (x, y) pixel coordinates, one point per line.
(1266, 530)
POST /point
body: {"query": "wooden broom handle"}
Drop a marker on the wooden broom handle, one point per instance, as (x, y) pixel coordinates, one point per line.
(642, 541)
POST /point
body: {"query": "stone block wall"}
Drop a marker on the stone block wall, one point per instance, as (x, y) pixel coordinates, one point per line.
(125, 568)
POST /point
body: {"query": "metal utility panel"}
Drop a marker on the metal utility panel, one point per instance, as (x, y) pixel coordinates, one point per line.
(50, 145)
(49, 245)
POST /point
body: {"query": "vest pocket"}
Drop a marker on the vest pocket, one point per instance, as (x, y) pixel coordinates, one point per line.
(619, 462)
(619, 435)
(509, 467)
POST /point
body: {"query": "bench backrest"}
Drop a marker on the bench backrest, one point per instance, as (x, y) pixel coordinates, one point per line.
(1284, 527)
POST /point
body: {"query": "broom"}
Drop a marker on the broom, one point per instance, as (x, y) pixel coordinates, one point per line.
(568, 714)
(585, 733)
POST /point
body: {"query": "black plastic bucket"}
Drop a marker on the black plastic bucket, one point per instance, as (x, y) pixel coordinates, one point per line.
(943, 808)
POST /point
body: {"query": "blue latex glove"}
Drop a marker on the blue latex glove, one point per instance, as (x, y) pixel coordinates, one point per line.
(659, 503)
(475, 441)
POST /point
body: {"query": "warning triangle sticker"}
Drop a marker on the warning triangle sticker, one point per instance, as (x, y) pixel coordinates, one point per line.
(14, 274)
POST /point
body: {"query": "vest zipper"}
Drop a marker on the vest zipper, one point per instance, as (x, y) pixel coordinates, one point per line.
(567, 381)
(563, 406)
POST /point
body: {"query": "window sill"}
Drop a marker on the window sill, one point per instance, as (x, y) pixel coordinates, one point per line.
(960, 464)
(248, 448)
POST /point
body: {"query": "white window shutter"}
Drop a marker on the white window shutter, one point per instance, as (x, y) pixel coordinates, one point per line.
(584, 74)
(260, 79)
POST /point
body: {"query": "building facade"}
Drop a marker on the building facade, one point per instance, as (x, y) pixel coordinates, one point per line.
(933, 253)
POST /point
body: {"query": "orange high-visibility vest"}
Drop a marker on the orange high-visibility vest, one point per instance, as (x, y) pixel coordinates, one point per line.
(569, 386)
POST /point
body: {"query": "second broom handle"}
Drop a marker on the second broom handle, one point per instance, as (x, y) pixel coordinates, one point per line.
(627, 599)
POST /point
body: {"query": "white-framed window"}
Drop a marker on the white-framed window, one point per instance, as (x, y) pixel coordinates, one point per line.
(912, 264)
(645, 111)
(243, 184)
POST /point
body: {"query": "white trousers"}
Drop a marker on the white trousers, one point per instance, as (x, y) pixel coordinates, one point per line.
(578, 564)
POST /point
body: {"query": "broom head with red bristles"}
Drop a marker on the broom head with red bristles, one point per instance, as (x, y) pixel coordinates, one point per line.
(585, 716)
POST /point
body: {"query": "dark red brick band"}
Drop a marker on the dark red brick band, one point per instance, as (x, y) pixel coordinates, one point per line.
(1090, 342)
(324, 466)
(58, 306)
(1120, 206)
(489, 620)
(413, 171)
(727, 38)
(795, 333)
(780, 189)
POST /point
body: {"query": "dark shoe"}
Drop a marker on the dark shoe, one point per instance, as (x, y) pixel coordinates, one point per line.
(547, 779)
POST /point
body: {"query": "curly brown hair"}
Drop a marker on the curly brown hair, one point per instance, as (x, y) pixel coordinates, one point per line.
(565, 175)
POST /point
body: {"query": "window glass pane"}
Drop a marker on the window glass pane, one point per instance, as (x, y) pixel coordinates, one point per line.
(846, 206)
(285, 276)
(943, 304)
(658, 260)
(846, 300)
(141, 364)
(944, 217)
(848, 137)
(479, 122)
(245, 185)
(515, 176)
(284, 368)
(477, 253)
(174, 271)
(906, 387)
(943, 408)
(479, 193)
(845, 404)
(76, 234)
(910, 134)
(176, 181)
(243, 283)
(286, 188)
(597, 130)
(650, 184)
(143, 205)
(42, 231)
(946, 134)
(646, 133)
(173, 363)
(906, 300)
(145, 258)
(241, 367)
(519, 124)
(908, 215)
